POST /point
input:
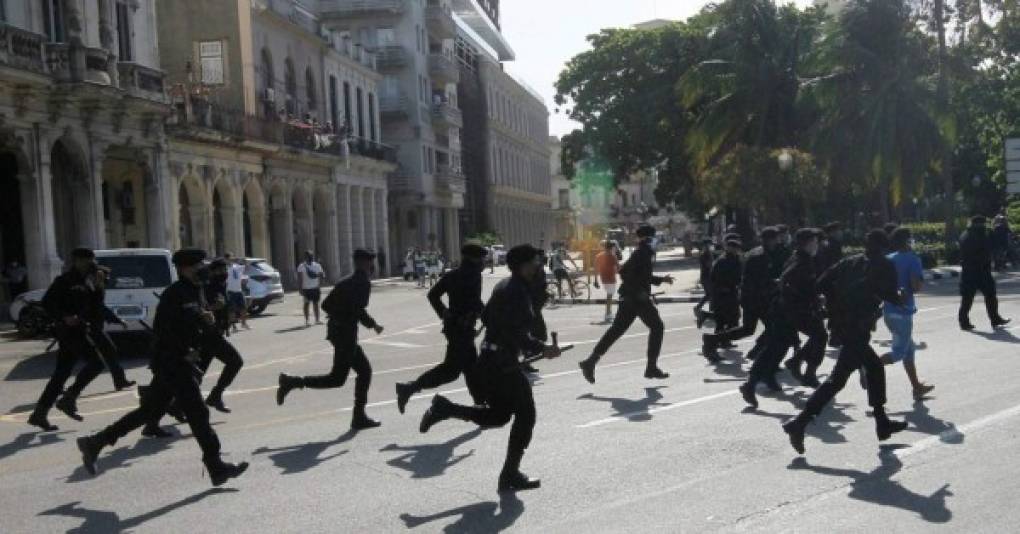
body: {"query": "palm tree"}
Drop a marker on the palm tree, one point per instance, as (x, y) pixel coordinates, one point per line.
(876, 102)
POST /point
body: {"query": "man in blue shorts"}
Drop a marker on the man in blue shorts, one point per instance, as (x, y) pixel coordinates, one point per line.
(900, 318)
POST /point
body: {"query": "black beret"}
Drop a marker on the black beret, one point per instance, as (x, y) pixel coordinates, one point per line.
(472, 250)
(833, 227)
(520, 255)
(362, 254)
(978, 219)
(83, 253)
(731, 235)
(782, 228)
(734, 243)
(877, 240)
(645, 231)
(707, 241)
(805, 235)
(186, 257)
(769, 232)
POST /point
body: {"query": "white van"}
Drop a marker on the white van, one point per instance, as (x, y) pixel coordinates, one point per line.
(137, 276)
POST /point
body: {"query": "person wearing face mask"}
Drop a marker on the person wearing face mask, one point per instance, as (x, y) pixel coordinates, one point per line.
(855, 287)
(794, 307)
(803, 308)
(635, 302)
(463, 289)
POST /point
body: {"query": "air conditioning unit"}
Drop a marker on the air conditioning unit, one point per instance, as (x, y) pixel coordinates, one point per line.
(270, 95)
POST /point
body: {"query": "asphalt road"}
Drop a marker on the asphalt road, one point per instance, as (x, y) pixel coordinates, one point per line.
(624, 455)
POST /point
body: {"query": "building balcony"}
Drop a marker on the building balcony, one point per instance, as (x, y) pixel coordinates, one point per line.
(403, 181)
(356, 146)
(390, 58)
(394, 105)
(23, 50)
(449, 180)
(446, 116)
(439, 21)
(443, 68)
(141, 81)
(348, 9)
(62, 66)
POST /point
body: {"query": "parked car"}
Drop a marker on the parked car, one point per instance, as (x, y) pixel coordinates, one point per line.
(264, 285)
(137, 277)
(28, 314)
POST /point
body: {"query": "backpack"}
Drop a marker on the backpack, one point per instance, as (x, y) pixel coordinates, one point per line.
(332, 304)
(310, 272)
(851, 294)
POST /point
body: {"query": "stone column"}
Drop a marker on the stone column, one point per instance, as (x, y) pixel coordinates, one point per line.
(283, 219)
(259, 231)
(368, 205)
(41, 257)
(382, 231)
(345, 237)
(158, 203)
(452, 239)
(328, 243)
(93, 230)
(106, 39)
(357, 218)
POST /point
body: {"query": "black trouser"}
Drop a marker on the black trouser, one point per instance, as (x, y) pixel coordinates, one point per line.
(970, 284)
(813, 351)
(177, 383)
(632, 308)
(461, 357)
(347, 355)
(779, 336)
(74, 345)
(219, 348)
(855, 354)
(751, 315)
(725, 310)
(508, 393)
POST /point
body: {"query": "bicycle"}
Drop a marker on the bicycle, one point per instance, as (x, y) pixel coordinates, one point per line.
(578, 282)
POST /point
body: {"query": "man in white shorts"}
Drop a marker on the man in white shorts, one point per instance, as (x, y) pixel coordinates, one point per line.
(310, 274)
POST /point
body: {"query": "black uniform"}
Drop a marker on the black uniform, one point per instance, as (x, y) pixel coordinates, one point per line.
(705, 261)
(976, 275)
(635, 302)
(179, 331)
(508, 320)
(757, 288)
(726, 274)
(830, 252)
(346, 306)
(463, 286)
(73, 294)
(855, 287)
(802, 308)
(215, 344)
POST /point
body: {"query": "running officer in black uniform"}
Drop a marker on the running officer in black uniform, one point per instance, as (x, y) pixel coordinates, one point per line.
(180, 325)
(346, 306)
(803, 307)
(463, 287)
(726, 274)
(75, 302)
(508, 319)
(855, 287)
(976, 275)
(635, 302)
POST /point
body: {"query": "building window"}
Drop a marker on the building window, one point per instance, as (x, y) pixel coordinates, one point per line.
(386, 36)
(210, 58)
(361, 114)
(417, 37)
(347, 106)
(290, 85)
(53, 20)
(124, 48)
(372, 133)
(310, 88)
(564, 198)
(334, 113)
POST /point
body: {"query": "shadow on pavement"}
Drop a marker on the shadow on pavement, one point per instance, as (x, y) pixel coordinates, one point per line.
(41, 366)
(425, 461)
(488, 516)
(26, 441)
(633, 410)
(106, 522)
(921, 420)
(1001, 335)
(876, 487)
(300, 458)
(121, 457)
(292, 329)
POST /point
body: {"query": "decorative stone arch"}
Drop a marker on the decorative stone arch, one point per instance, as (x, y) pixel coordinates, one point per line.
(253, 219)
(75, 220)
(25, 233)
(225, 200)
(193, 208)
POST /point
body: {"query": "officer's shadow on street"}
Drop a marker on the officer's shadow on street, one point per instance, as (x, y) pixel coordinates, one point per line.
(729, 370)
(634, 410)
(878, 488)
(108, 522)
(921, 420)
(300, 458)
(431, 460)
(827, 427)
(26, 441)
(488, 516)
(123, 457)
(1001, 335)
(40, 367)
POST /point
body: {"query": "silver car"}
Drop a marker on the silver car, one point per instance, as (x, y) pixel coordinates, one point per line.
(264, 285)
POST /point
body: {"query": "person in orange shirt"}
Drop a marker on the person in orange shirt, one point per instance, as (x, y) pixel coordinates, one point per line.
(608, 266)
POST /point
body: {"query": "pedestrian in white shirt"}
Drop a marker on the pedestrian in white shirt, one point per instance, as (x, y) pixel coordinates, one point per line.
(310, 275)
(236, 280)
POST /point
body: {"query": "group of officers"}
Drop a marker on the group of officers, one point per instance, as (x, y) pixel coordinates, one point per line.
(780, 283)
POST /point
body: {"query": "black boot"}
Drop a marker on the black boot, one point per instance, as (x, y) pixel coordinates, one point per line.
(747, 391)
(588, 368)
(123, 384)
(440, 410)
(404, 392)
(215, 401)
(809, 377)
(793, 365)
(90, 447)
(699, 317)
(286, 384)
(710, 348)
(39, 419)
(794, 428)
(653, 372)
(966, 326)
(153, 430)
(361, 420)
(530, 369)
(771, 383)
(511, 478)
(220, 471)
(886, 427)
(1000, 321)
(68, 405)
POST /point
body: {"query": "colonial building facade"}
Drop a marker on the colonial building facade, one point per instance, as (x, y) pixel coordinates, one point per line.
(82, 148)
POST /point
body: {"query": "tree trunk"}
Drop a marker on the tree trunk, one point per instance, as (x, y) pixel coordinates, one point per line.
(943, 103)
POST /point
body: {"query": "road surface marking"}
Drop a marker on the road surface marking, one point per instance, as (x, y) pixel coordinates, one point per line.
(675, 405)
(955, 433)
(397, 344)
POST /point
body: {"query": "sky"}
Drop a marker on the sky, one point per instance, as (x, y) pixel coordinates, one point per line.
(545, 34)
